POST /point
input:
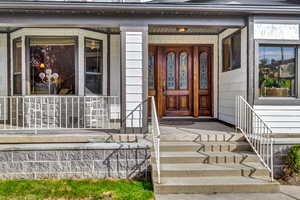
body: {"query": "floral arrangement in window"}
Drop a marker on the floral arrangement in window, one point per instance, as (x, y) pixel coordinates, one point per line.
(275, 87)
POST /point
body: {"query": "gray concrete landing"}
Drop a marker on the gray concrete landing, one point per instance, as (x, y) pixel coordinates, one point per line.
(193, 128)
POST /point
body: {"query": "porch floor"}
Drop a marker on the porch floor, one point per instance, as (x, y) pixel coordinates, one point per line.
(191, 128)
(65, 136)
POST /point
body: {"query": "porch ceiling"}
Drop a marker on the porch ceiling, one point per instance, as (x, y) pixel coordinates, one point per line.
(153, 30)
(189, 29)
(7, 29)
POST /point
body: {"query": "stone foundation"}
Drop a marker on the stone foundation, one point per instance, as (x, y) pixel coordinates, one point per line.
(74, 161)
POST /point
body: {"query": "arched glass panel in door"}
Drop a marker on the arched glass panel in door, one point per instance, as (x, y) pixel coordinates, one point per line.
(203, 70)
(183, 69)
(151, 71)
(171, 70)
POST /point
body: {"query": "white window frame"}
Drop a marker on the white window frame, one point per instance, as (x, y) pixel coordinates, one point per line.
(80, 68)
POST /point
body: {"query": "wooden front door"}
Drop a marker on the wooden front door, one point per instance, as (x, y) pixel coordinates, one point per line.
(180, 79)
(177, 81)
(204, 81)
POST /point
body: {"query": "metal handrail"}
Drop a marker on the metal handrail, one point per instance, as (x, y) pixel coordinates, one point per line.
(44, 112)
(256, 131)
(134, 121)
(155, 131)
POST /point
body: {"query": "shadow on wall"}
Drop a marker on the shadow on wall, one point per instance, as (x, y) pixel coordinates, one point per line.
(77, 164)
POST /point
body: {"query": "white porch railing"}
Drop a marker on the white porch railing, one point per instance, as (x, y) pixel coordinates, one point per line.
(256, 132)
(59, 112)
(155, 131)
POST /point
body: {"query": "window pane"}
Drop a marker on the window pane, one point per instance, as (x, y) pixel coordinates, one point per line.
(17, 84)
(93, 84)
(17, 66)
(171, 70)
(226, 54)
(236, 51)
(93, 66)
(151, 71)
(277, 66)
(203, 71)
(17, 55)
(52, 61)
(232, 52)
(183, 83)
(93, 55)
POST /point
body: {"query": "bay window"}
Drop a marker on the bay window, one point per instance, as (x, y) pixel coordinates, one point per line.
(52, 62)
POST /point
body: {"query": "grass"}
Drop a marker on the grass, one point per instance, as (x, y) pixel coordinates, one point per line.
(91, 189)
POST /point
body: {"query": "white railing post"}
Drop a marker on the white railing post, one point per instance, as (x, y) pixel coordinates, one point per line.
(35, 113)
(256, 132)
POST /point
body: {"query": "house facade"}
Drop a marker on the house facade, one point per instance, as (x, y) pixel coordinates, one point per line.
(72, 68)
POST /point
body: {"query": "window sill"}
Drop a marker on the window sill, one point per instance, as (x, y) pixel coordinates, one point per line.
(277, 101)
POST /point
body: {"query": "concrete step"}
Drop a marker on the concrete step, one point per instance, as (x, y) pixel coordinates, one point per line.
(226, 196)
(206, 157)
(205, 146)
(200, 170)
(203, 137)
(211, 185)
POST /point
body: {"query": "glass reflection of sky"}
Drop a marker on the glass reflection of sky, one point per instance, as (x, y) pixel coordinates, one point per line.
(269, 53)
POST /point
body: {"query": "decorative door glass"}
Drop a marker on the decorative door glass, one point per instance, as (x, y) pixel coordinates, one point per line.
(151, 71)
(171, 70)
(183, 83)
(203, 71)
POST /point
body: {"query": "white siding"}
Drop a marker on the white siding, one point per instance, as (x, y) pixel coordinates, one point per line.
(134, 75)
(281, 119)
(232, 83)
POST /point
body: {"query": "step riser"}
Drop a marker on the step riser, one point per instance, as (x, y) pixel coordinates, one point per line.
(211, 189)
(206, 173)
(202, 138)
(206, 148)
(209, 160)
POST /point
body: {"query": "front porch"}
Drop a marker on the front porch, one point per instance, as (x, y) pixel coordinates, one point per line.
(102, 81)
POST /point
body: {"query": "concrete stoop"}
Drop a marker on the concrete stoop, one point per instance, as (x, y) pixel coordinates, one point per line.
(210, 164)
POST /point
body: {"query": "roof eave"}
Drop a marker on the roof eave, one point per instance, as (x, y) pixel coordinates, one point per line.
(4, 6)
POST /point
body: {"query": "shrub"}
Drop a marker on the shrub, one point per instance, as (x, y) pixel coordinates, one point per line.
(294, 158)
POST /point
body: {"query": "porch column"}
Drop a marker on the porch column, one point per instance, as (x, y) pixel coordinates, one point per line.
(134, 75)
(251, 63)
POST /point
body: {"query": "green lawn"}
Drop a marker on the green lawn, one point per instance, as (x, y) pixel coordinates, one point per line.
(76, 189)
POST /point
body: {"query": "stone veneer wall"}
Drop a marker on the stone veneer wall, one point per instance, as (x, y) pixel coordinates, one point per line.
(89, 161)
(280, 152)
